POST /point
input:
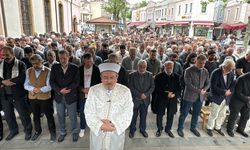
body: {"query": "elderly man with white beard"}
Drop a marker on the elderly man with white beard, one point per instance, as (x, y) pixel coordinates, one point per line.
(108, 110)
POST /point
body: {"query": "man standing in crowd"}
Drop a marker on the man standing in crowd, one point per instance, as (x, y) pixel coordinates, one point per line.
(153, 64)
(196, 84)
(12, 77)
(64, 80)
(167, 90)
(222, 84)
(37, 84)
(141, 84)
(89, 76)
(240, 103)
(130, 62)
(108, 110)
(243, 64)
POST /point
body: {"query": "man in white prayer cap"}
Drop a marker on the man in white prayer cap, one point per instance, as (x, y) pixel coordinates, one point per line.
(108, 110)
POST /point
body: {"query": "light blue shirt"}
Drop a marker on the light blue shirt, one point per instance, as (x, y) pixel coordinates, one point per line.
(30, 88)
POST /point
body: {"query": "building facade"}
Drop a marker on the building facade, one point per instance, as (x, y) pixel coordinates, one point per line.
(29, 16)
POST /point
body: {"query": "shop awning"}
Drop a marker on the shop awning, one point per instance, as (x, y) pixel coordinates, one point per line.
(207, 24)
(236, 26)
(131, 24)
(159, 24)
(180, 23)
(145, 25)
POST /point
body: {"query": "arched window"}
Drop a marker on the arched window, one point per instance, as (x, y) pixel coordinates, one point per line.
(47, 14)
(61, 20)
(74, 25)
(26, 16)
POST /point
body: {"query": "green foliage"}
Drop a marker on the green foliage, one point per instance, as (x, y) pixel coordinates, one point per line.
(115, 7)
(143, 4)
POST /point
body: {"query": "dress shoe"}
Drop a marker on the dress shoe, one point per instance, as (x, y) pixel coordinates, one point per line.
(219, 131)
(195, 132)
(180, 133)
(230, 133)
(242, 133)
(144, 134)
(131, 134)
(75, 137)
(53, 137)
(61, 138)
(11, 136)
(210, 132)
(158, 133)
(35, 136)
(170, 134)
(27, 136)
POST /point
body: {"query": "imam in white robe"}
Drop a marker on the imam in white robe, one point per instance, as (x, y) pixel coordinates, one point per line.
(115, 105)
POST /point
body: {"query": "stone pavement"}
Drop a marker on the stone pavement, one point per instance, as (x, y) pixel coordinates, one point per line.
(189, 142)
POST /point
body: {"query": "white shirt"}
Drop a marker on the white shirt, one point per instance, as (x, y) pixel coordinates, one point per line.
(87, 77)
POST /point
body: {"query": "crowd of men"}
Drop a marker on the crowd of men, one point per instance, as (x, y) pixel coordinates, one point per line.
(52, 72)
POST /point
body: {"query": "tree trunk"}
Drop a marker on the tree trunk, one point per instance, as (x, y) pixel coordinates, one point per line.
(247, 34)
(124, 25)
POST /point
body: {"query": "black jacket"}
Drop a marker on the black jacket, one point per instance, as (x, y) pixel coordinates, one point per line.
(164, 83)
(70, 80)
(17, 89)
(241, 95)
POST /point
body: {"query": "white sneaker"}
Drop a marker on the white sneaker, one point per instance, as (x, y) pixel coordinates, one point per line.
(81, 134)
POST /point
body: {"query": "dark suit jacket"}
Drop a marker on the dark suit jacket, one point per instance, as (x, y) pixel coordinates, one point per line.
(122, 78)
(164, 83)
(241, 95)
(137, 87)
(95, 78)
(18, 88)
(218, 86)
(70, 80)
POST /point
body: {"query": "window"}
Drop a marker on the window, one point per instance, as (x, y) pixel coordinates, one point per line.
(172, 11)
(186, 8)
(228, 14)
(179, 12)
(199, 31)
(26, 16)
(162, 12)
(61, 20)
(236, 14)
(204, 8)
(191, 7)
(165, 11)
(47, 14)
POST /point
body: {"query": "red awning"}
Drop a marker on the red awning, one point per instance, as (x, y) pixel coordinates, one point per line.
(207, 24)
(131, 24)
(180, 23)
(158, 24)
(236, 26)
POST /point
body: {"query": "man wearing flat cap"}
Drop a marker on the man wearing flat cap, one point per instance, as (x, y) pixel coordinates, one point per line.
(108, 110)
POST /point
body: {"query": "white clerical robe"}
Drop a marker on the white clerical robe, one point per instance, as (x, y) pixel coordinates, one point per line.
(116, 106)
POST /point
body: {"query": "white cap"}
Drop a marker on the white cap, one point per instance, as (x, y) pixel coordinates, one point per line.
(109, 67)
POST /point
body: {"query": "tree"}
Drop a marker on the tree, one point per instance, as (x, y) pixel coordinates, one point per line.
(125, 13)
(116, 8)
(143, 4)
(247, 34)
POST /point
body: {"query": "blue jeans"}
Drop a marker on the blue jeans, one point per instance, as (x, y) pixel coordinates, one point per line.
(82, 115)
(71, 109)
(184, 112)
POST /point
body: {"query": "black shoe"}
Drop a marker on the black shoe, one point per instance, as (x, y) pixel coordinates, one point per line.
(169, 133)
(75, 137)
(242, 133)
(35, 136)
(195, 132)
(27, 136)
(210, 132)
(180, 133)
(230, 133)
(219, 131)
(144, 134)
(11, 136)
(53, 137)
(131, 134)
(158, 133)
(61, 138)
(1, 137)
